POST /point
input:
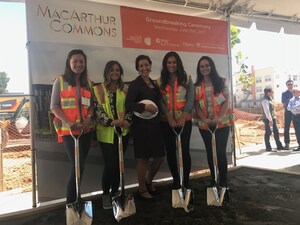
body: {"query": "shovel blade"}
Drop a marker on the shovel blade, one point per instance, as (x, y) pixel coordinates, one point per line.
(182, 199)
(215, 196)
(79, 213)
(123, 206)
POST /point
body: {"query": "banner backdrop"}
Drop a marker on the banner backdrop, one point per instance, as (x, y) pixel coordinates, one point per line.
(108, 32)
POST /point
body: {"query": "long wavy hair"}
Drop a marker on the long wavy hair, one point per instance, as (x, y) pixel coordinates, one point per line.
(181, 74)
(216, 80)
(69, 74)
(107, 70)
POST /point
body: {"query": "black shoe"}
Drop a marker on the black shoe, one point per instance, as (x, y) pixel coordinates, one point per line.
(176, 186)
(144, 197)
(287, 146)
(297, 149)
(268, 149)
(282, 148)
(150, 188)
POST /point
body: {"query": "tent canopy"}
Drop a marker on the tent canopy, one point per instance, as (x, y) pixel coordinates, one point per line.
(269, 15)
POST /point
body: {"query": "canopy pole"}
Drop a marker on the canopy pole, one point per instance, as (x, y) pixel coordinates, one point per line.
(227, 18)
(32, 130)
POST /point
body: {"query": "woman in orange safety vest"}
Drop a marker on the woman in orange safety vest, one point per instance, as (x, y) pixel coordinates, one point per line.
(212, 109)
(177, 101)
(72, 105)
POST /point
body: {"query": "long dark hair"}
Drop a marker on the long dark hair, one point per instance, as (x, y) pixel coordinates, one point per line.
(181, 74)
(216, 80)
(107, 70)
(69, 75)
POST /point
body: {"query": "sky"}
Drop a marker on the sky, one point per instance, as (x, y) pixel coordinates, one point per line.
(13, 53)
(262, 49)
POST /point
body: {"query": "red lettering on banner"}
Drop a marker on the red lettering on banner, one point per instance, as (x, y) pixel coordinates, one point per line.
(165, 31)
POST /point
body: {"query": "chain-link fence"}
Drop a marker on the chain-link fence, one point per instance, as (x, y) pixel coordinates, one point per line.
(249, 126)
(15, 154)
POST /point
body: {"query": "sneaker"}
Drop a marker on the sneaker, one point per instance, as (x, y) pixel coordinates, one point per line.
(106, 201)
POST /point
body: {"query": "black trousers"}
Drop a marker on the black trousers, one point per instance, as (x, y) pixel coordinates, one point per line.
(296, 122)
(111, 172)
(268, 133)
(287, 123)
(171, 150)
(84, 147)
(221, 144)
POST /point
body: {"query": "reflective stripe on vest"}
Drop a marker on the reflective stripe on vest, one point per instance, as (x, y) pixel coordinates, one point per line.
(69, 106)
(201, 98)
(175, 99)
(106, 133)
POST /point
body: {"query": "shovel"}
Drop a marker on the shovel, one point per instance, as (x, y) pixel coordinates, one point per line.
(181, 198)
(79, 212)
(215, 194)
(123, 205)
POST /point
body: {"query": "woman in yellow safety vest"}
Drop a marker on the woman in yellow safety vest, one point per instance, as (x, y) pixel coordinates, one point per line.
(72, 105)
(212, 110)
(177, 101)
(110, 112)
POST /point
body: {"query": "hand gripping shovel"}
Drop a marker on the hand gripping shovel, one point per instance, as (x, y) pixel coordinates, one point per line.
(79, 212)
(123, 205)
(215, 194)
(181, 198)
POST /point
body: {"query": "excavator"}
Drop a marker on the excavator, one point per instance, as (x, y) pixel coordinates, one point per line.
(11, 126)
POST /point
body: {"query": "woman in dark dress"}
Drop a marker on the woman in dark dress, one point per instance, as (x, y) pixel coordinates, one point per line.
(147, 137)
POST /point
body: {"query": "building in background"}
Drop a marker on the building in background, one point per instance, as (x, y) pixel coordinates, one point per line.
(269, 77)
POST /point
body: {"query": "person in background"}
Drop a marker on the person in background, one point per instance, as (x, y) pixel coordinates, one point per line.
(176, 112)
(294, 108)
(110, 112)
(212, 112)
(269, 119)
(285, 98)
(72, 105)
(147, 136)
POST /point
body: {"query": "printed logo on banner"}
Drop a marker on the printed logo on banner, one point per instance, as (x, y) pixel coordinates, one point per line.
(74, 23)
(173, 32)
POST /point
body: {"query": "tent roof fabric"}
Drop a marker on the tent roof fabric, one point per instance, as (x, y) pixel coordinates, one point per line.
(269, 15)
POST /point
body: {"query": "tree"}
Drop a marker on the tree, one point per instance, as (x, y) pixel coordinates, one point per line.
(234, 36)
(244, 76)
(3, 82)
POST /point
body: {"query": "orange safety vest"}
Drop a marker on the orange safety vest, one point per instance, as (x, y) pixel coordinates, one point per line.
(69, 105)
(175, 99)
(201, 98)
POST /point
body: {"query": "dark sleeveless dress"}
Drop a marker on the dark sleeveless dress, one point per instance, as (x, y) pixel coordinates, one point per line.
(147, 137)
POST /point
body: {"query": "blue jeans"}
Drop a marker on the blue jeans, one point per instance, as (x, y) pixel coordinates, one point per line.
(268, 133)
(84, 147)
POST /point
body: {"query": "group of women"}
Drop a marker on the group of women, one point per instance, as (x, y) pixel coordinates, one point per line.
(174, 96)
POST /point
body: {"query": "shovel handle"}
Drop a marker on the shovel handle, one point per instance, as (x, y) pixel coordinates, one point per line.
(214, 152)
(179, 148)
(77, 160)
